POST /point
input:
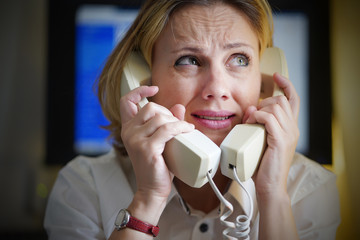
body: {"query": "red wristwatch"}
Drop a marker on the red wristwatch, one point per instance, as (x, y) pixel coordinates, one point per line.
(124, 219)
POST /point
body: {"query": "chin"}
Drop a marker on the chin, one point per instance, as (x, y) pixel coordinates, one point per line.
(217, 137)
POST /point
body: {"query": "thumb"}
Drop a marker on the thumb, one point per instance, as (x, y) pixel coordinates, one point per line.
(178, 111)
(129, 103)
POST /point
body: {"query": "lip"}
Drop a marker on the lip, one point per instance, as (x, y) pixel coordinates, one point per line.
(214, 119)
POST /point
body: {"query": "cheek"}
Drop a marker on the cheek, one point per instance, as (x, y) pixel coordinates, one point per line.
(248, 94)
(171, 90)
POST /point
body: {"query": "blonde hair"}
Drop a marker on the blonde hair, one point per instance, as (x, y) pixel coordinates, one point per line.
(143, 33)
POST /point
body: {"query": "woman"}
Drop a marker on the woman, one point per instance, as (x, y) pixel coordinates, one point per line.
(204, 58)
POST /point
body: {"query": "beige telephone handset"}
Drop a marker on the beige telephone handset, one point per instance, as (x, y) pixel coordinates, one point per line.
(190, 156)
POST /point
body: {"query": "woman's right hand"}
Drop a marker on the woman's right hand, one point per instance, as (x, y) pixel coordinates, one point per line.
(144, 133)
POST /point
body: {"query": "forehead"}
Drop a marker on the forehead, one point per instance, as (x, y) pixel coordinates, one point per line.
(217, 22)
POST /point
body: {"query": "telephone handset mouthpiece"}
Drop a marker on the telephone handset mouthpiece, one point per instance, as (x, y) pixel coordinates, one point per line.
(190, 156)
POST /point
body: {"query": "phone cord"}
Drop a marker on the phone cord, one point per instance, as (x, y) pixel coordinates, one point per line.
(241, 228)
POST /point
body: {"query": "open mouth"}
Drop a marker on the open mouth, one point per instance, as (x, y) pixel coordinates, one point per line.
(213, 118)
(214, 121)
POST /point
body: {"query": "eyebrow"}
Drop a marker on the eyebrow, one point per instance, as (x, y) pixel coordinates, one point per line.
(237, 45)
(190, 49)
(226, 46)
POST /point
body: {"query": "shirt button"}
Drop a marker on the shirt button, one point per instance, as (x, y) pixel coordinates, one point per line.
(204, 227)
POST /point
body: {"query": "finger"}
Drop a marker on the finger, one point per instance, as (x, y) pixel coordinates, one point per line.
(290, 93)
(178, 111)
(280, 115)
(248, 112)
(170, 130)
(282, 101)
(129, 102)
(152, 125)
(149, 111)
(272, 125)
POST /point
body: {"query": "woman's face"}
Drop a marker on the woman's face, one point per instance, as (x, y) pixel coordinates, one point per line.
(207, 59)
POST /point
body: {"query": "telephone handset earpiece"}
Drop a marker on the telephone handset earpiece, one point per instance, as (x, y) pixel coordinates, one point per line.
(244, 146)
(190, 156)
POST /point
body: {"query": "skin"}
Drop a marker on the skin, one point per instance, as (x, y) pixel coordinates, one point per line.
(209, 78)
(206, 65)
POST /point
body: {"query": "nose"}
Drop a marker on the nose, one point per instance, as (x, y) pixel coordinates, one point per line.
(216, 85)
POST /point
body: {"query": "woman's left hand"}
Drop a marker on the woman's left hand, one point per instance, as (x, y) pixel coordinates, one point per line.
(279, 115)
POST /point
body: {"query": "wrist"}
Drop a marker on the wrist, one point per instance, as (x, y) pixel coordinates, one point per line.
(147, 208)
(276, 218)
(272, 198)
(124, 219)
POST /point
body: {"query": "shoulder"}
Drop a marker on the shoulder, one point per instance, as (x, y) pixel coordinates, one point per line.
(82, 168)
(83, 165)
(314, 199)
(103, 176)
(306, 176)
(97, 171)
(88, 192)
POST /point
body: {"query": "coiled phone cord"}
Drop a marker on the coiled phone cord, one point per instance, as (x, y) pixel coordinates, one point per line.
(241, 228)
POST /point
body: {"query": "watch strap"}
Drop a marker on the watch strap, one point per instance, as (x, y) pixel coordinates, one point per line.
(141, 226)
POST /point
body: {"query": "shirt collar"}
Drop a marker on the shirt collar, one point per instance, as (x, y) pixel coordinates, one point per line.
(235, 192)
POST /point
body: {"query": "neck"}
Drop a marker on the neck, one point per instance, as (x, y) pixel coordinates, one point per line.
(204, 198)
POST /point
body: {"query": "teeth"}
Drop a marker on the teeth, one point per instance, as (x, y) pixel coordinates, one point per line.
(213, 118)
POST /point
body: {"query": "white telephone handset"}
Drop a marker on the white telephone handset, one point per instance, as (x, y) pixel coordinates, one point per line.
(243, 147)
(190, 156)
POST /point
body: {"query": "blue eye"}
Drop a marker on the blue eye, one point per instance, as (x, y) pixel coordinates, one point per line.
(240, 60)
(187, 60)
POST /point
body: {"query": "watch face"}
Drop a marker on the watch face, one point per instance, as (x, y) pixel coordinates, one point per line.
(122, 219)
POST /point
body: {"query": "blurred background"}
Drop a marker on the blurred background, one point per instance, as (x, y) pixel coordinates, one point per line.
(39, 56)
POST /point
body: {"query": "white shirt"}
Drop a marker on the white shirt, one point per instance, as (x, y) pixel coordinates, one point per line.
(89, 192)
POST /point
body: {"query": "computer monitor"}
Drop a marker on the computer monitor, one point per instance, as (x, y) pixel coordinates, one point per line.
(97, 28)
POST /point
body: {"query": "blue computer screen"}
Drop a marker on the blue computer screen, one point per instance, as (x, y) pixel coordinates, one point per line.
(98, 29)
